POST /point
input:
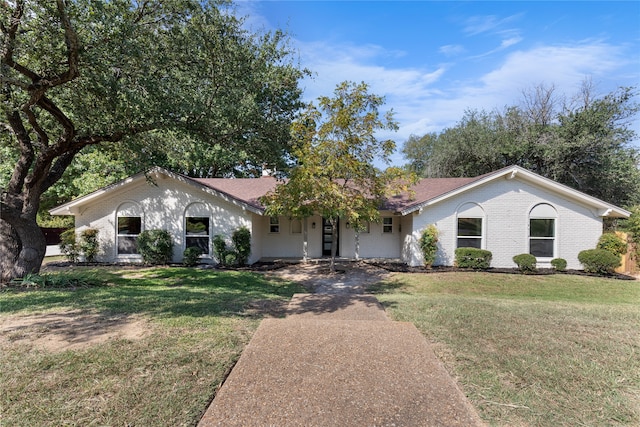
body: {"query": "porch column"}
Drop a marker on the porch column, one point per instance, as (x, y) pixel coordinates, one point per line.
(305, 241)
(357, 244)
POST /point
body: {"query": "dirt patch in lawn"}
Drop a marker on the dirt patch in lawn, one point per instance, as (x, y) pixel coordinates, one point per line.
(70, 330)
(349, 278)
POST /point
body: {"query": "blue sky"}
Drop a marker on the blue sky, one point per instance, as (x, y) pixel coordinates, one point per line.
(432, 60)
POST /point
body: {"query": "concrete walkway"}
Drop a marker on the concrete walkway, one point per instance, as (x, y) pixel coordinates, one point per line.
(337, 360)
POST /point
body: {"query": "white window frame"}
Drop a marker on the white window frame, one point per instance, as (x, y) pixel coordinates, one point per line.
(471, 210)
(274, 224)
(133, 236)
(479, 237)
(545, 212)
(387, 225)
(188, 236)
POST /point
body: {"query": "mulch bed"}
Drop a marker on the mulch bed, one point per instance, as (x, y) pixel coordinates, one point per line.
(395, 267)
(404, 268)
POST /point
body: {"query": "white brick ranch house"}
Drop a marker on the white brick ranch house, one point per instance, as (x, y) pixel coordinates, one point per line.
(508, 212)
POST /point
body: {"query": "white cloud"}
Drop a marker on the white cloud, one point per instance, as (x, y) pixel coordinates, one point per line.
(452, 50)
(475, 25)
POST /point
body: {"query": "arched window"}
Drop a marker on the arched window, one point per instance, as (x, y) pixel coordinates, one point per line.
(197, 228)
(129, 226)
(542, 231)
(470, 226)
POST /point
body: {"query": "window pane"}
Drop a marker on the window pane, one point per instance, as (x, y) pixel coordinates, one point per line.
(470, 227)
(469, 243)
(197, 226)
(129, 225)
(542, 227)
(199, 242)
(542, 248)
(127, 245)
(387, 225)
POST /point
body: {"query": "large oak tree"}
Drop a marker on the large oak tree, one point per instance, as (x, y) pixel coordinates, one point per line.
(177, 82)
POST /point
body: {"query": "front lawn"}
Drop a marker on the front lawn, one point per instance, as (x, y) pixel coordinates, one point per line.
(531, 350)
(189, 327)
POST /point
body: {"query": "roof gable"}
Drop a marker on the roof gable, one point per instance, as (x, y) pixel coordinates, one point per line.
(511, 172)
(243, 192)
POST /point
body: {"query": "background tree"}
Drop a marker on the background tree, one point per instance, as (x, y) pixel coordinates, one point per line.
(335, 145)
(585, 144)
(134, 78)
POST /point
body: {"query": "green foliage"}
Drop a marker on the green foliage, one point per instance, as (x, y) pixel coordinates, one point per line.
(335, 145)
(559, 264)
(612, 243)
(220, 248)
(632, 226)
(230, 258)
(176, 83)
(599, 261)
(587, 145)
(89, 244)
(69, 245)
(477, 259)
(526, 262)
(191, 256)
(155, 246)
(241, 239)
(62, 280)
(429, 244)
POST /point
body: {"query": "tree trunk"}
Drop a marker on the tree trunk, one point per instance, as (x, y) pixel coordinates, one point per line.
(9, 251)
(22, 249)
(334, 244)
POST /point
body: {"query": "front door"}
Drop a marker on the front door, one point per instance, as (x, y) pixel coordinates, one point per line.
(327, 231)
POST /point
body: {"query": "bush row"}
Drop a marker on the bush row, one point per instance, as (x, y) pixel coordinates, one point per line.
(156, 247)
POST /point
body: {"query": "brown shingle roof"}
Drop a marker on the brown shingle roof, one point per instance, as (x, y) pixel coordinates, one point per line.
(425, 190)
(247, 190)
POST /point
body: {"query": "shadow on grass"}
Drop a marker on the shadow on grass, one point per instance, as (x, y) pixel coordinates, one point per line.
(165, 292)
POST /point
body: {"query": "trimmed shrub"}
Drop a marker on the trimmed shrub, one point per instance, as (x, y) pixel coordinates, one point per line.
(155, 246)
(191, 256)
(429, 245)
(220, 248)
(599, 261)
(241, 239)
(69, 245)
(478, 259)
(559, 264)
(526, 262)
(612, 243)
(231, 258)
(89, 244)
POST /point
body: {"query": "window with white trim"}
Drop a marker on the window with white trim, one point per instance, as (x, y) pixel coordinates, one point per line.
(542, 231)
(274, 224)
(387, 224)
(470, 226)
(470, 233)
(197, 233)
(129, 227)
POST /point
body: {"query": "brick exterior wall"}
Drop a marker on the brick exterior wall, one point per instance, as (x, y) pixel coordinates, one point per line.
(506, 204)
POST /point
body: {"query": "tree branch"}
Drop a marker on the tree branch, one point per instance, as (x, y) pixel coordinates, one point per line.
(21, 170)
(9, 43)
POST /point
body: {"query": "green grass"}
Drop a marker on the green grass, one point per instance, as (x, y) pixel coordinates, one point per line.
(198, 324)
(531, 350)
